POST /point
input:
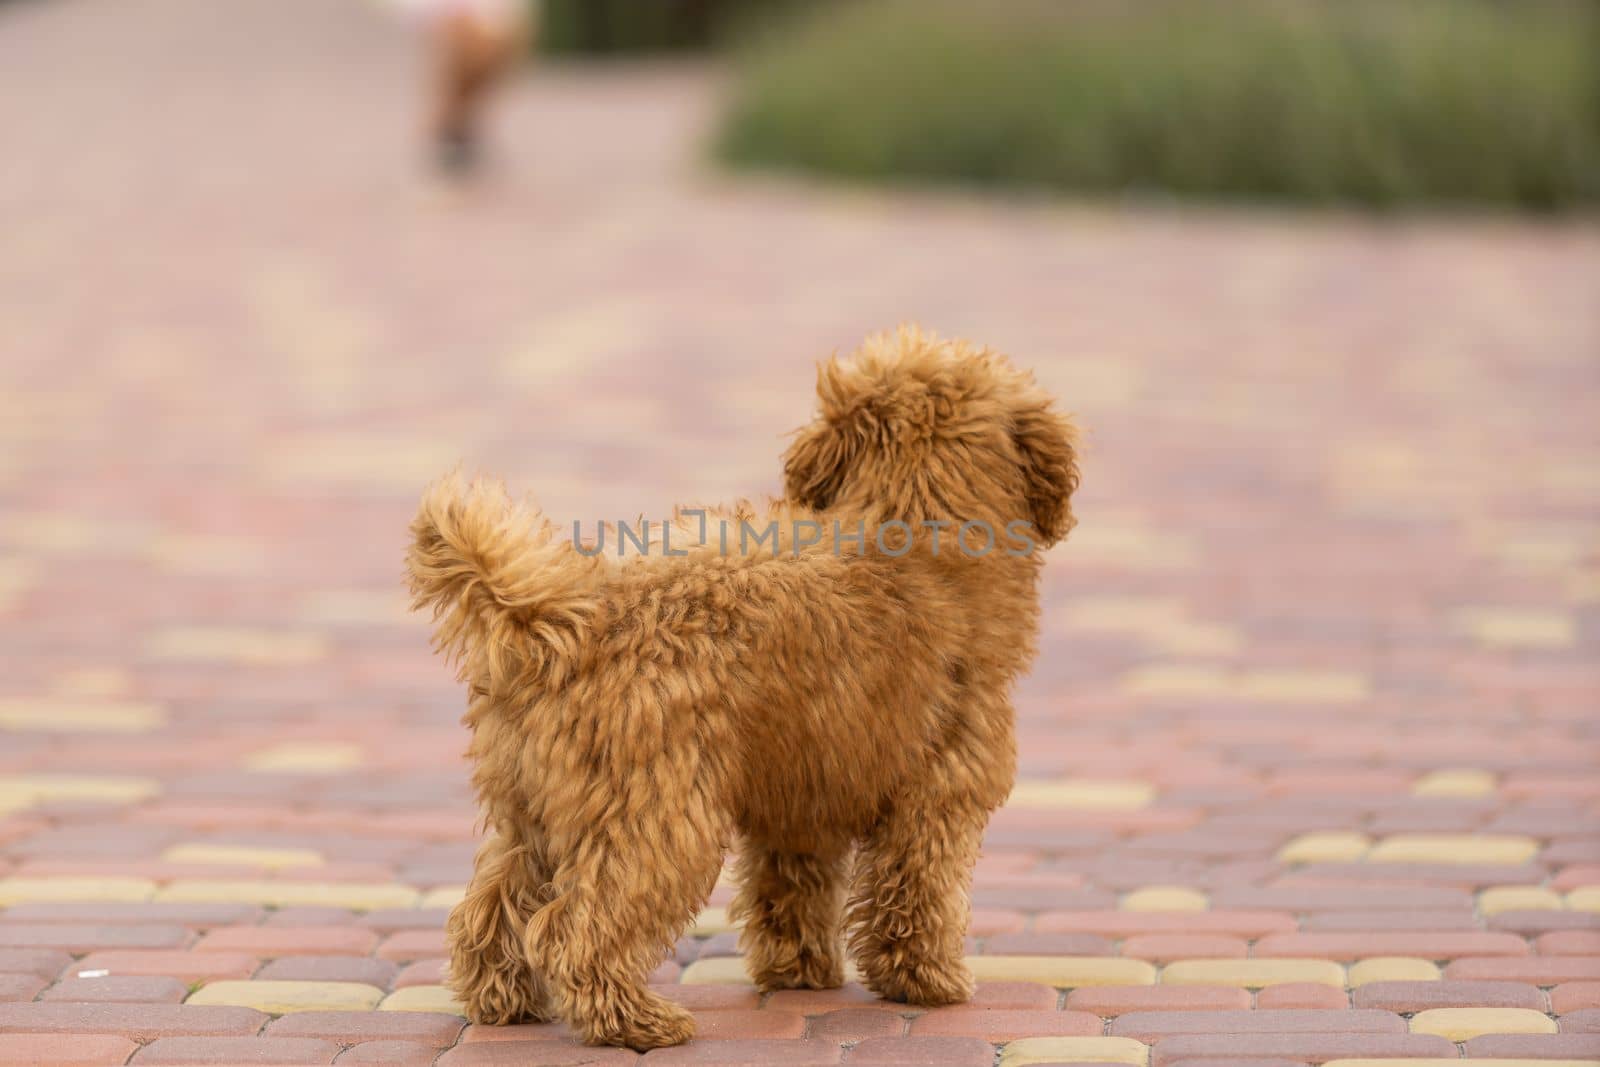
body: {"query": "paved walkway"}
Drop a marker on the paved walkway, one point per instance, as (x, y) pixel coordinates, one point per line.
(1310, 753)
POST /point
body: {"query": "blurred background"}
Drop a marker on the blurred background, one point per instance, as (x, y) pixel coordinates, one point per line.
(1319, 280)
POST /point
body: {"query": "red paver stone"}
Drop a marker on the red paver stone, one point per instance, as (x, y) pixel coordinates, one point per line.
(188, 966)
(1411, 997)
(525, 1032)
(272, 941)
(1539, 970)
(20, 986)
(1545, 920)
(1433, 946)
(1534, 1046)
(1029, 996)
(137, 1022)
(544, 1053)
(856, 1024)
(818, 1001)
(1163, 948)
(312, 916)
(1108, 1001)
(1302, 996)
(330, 969)
(430, 972)
(56, 1050)
(43, 962)
(1386, 921)
(1576, 876)
(235, 1050)
(987, 922)
(1586, 1021)
(414, 944)
(88, 937)
(119, 989)
(389, 1054)
(754, 1053)
(1353, 898)
(999, 1026)
(1574, 996)
(948, 1051)
(1247, 924)
(1039, 944)
(714, 997)
(748, 1024)
(348, 1027)
(196, 916)
(1149, 1026)
(1312, 1048)
(389, 920)
(1569, 943)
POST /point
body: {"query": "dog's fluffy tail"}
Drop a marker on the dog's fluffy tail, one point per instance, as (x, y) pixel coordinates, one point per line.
(508, 594)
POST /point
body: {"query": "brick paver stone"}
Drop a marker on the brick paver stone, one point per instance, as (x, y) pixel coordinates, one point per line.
(1306, 760)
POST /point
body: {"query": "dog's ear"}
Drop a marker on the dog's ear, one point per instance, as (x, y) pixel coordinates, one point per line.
(1047, 443)
(814, 466)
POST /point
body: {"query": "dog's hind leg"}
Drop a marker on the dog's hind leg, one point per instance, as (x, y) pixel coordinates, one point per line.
(489, 968)
(789, 907)
(635, 862)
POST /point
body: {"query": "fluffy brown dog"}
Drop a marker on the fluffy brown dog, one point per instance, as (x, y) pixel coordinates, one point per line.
(632, 717)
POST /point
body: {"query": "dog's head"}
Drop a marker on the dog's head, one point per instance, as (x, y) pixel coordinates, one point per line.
(914, 428)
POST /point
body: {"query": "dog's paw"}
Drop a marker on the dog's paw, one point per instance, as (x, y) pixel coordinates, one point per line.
(803, 970)
(926, 984)
(649, 1022)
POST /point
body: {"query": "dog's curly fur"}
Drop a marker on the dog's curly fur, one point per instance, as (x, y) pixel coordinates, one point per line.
(819, 704)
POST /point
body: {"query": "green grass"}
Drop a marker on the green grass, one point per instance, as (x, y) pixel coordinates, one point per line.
(1376, 102)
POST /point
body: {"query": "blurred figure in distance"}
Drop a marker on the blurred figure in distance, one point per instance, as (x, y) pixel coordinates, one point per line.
(473, 44)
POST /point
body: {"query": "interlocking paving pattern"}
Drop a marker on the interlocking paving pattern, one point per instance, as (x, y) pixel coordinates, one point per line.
(1308, 758)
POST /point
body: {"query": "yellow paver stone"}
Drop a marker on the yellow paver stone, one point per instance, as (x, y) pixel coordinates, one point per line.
(1308, 687)
(423, 998)
(243, 855)
(306, 757)
(92, 682)
(356, 895)
(1463, 1024)
(1392, 969)
(17, 890)
(38, 788)
(1083, 794)
(1333, 846)
(1031, 1050)
(1253, 974)
(236, 644)
(1165, 898)
(1063, 972)
(443, 897)
(1457, 782)
(720, 970)
(1508, 849)
(1515, 628)
(1518, 898)
(56, 715)
(1584, 898)
(711, 920)
(283, 998)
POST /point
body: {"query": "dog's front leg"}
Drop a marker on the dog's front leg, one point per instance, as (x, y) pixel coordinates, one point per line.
(489, 967)
(909, 904)
(911, 895)
(788, 908)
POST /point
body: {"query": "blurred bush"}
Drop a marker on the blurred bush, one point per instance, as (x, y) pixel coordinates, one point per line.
(601, 27)
(1380, 102)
